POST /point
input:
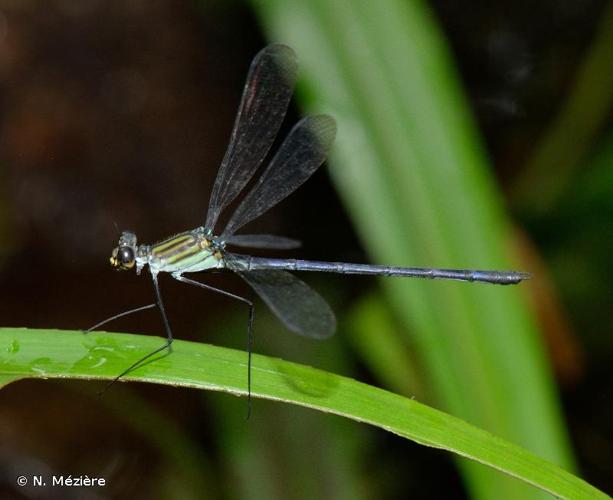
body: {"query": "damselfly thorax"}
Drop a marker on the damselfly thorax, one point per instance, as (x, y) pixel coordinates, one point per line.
(191, 251)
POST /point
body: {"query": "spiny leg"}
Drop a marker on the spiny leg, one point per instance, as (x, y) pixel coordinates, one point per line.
(167, 344)
(120, 315)
(249, 303)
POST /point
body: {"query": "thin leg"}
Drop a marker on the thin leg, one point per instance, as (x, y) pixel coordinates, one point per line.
(183, 279)
(167, 344)
(120, 315)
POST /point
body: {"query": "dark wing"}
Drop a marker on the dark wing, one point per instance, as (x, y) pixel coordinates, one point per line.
(300, 308)
(266, 95)
(302, 152)
(263, 241)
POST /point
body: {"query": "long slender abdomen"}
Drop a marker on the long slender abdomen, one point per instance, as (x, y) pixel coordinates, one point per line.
(495, 277)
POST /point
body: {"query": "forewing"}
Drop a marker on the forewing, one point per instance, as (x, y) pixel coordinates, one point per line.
(268, 90)
(269, 241)
(300, 308)
(302, 152)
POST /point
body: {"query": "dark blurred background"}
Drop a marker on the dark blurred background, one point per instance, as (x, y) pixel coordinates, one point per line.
(115, 115)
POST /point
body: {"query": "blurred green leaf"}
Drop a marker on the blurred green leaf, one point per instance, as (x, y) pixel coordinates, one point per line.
(389, 357)
(70, 354)
(412, 172)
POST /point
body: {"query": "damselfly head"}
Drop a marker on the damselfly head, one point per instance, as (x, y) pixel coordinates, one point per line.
(123, 256)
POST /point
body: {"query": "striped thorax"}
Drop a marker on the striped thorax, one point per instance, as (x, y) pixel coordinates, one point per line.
(190, 251)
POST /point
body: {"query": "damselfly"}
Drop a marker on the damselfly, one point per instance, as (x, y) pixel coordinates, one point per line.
(265, 99)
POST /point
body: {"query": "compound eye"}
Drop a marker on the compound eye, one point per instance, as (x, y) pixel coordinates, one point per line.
(126, 257)
(122, 258)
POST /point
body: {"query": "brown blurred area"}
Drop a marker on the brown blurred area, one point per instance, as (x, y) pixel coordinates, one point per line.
(115, 115)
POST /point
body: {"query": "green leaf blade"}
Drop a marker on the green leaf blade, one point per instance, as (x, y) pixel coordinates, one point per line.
(74, 355)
